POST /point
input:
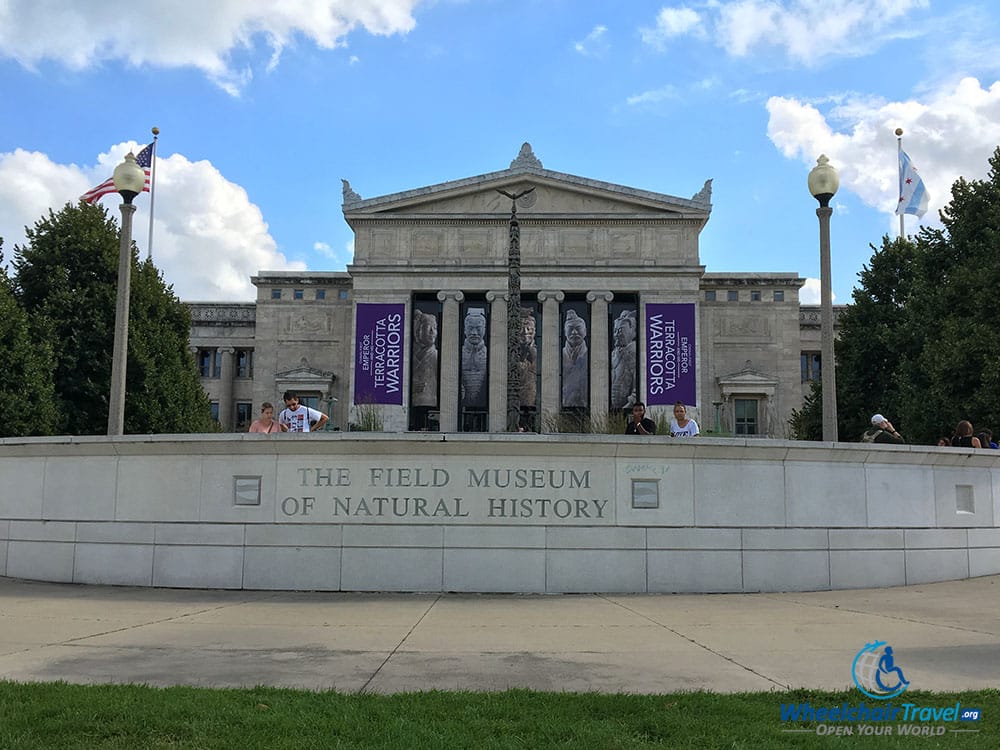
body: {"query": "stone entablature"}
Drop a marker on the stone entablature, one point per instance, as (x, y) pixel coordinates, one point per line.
(809, 316)
(222, 313)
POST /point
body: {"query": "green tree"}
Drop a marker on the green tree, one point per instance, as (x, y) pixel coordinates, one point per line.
(875, 337)
(807, 423)
(956, 374)
(919, 343)
(65, 279)
(27, 405)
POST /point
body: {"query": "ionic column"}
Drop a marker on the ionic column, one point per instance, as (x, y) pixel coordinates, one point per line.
(498, 360)
(449, 359)
(550, 300)
(600, 353)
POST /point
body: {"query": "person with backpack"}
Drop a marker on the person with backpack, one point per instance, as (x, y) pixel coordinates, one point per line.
(882, 431)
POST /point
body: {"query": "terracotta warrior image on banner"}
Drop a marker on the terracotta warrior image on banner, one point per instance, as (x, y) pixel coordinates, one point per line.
(623, 361)
(474, 378)
(575, 362)
(425, 359)
(527, 357)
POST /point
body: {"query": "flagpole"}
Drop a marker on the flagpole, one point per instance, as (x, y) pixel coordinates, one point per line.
(152, 194)
(899, 171)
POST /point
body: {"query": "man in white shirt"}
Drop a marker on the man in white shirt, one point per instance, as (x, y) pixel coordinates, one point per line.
(297, 418)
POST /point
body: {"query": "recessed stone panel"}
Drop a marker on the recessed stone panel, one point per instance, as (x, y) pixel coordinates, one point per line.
(703, 571)
(40, 561)
(739, 493)
(80, 488)
(396, 569)
(114, 564)
(867, 569)
(292, 568)
(786, 571)
(583, 571)
(22, 487)
(520, 571)
(182, 566)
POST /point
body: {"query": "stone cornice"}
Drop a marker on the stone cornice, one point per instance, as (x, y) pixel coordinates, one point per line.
(490, 220)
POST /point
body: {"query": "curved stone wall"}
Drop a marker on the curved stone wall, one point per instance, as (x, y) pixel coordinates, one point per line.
(494, 513)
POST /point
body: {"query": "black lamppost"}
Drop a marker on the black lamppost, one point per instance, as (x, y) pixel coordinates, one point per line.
(129, 180)
(513, 312)
(823, 183)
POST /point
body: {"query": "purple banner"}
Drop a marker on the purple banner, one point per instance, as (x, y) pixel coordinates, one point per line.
(670, 374)
(378, 353)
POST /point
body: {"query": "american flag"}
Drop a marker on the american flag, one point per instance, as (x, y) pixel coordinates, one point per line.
(144, 159)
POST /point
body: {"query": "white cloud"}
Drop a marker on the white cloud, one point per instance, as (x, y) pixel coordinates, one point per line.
(341, 259)
(950, 133)
(804, 30)
(186, 34)
(595, 44)
(208, 238)
(653, 96)
(810, 293)
(670, 23)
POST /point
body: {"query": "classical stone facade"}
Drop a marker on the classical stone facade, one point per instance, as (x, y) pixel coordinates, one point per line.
(599, 260)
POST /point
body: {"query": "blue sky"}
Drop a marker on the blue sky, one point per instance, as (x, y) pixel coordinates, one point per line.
(263, 107)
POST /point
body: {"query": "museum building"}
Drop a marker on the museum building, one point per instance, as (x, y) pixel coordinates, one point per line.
(615, 307)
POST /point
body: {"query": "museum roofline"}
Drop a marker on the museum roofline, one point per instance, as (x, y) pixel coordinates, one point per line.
(358, 207)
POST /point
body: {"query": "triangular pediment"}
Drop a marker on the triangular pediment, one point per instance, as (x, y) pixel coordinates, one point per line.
(552, 194)
(304, 372)
(747, 378)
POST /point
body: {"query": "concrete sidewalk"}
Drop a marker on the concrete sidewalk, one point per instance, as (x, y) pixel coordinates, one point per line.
(946, 636)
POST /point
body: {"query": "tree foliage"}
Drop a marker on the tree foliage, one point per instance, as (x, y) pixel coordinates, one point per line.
(65, 281)
(26, 393)
(919, 343)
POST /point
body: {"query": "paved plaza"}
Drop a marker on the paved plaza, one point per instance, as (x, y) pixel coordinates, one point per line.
(946, 636)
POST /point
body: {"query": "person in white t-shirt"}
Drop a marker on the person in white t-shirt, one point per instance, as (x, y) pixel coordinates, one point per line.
(298, 418)
(680, 425)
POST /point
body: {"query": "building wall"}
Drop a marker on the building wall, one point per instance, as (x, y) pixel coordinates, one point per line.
(516, 513)
(582, 243)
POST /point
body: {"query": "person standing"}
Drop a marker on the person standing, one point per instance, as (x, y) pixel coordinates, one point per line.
(882, 431)
(680, 425)
(297, 418)
(266, 422)
(640, 424)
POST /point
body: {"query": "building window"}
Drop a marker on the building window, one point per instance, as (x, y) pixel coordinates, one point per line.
(810, 363)
(321, 294)
(779, 296)
(755, 296)
(342, 294)
(275, 294)
(732, 296)
(244, 363)
(244, 415)
(746, 416)
(209, 363)
(710, 295)
(215, 410)
(297, 294)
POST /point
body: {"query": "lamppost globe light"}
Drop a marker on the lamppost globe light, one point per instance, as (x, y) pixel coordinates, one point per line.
(823, 184)
(823, 181)
(129, 178)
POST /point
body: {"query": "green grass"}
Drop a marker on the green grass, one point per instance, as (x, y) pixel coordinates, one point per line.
(57, 715)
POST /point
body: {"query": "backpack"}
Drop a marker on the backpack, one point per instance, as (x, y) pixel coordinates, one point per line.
(869, 437)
